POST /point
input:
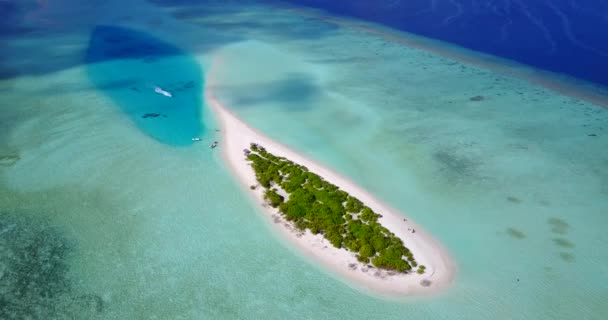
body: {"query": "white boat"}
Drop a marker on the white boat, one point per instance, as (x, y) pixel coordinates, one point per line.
(159, 90)
(196, 139)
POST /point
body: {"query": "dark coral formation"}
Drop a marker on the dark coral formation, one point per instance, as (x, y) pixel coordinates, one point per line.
(7, 160)
(564, 243)
(34, 282)
(513, 199)
(153, 115)
(32, 268)
(516, 234)
(457, 166)
(558, 226)
(567, 257)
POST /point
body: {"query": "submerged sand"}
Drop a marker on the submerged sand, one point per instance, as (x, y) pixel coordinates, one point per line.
(440, 270)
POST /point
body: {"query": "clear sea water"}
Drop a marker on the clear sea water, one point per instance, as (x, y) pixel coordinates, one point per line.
(107, 214)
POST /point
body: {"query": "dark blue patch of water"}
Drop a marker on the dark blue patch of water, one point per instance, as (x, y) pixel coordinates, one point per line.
(156, 84)
(566, 36)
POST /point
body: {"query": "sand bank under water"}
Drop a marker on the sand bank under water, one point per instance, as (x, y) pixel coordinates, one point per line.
(440, 269)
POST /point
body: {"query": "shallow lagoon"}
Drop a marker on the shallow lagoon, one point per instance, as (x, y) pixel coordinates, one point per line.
(513, 184)
(137, 71)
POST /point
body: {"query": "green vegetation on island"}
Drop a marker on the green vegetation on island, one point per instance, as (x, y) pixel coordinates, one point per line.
(321, 207)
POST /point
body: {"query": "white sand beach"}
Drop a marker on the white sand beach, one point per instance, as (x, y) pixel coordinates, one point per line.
(440, 269)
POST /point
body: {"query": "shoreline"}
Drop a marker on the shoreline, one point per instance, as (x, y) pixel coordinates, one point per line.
(440, 269)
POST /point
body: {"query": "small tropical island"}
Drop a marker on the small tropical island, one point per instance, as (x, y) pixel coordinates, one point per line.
(325, 218)
(311, 203)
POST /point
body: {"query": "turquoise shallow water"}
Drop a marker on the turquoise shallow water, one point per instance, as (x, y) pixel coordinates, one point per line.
(130, 66)
(126, 218)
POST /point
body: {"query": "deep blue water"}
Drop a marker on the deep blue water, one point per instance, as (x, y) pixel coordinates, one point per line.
(127, 65)
(566, 36)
